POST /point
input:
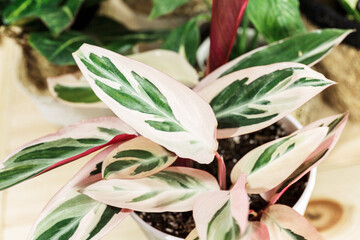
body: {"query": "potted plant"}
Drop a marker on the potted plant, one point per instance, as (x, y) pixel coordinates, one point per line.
(186, 38)
(169, 122)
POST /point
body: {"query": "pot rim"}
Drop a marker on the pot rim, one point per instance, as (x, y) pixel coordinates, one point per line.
(289, 123)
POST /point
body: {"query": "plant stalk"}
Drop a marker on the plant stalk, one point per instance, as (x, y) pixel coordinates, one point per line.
(221, 171)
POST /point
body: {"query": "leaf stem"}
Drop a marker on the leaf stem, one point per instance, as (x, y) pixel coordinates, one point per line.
(221, 171)
(243, 38)
(254, 41)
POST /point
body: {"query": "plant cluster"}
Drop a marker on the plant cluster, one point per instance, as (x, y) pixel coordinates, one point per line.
(163, 121)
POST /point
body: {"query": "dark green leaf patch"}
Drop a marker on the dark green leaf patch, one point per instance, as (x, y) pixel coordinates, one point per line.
(144, 160)
(76, 94)
(293, 235)
(63, 222)
(267, 155)
(147, 98)
(178, 180)
(110, 131)
(107, 215)
(242, 104)
(62, 230)
(219, 225)
(231, 104)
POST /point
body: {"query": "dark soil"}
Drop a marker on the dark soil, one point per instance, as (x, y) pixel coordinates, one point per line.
(180, 224)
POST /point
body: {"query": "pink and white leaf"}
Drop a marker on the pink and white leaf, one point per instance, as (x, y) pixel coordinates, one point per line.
(154, 104)
(66, 145)
(73, 215)
(336, 125)
(285, 223)
(256, 231)
(222, 214)
(268, 165)
(249, 100)
(137, 158)
(173, 189)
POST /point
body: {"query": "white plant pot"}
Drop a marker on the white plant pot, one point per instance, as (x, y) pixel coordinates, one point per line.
(290, 124)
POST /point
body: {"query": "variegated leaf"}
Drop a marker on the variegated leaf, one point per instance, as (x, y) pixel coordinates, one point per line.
(222, 214)
(173, 189)
(307, 48)
(157, 106)
(72, 215)
(193, 235)
(68, 144)
(285, 223)
(335, 124)
(171, 63)
(254, 98)
(256, 231)
(136, 158)
(73, 89)
(268, 165)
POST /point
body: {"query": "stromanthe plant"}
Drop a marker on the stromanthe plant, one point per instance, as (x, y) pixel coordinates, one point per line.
(162, 120)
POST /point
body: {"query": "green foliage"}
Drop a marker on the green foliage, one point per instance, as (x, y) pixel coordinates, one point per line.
(351, 7)
(101, 31)
(56, 14)
(185, 39)
(162, 7)
(276, 19)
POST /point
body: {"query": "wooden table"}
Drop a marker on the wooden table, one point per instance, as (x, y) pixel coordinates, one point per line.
(335, 206)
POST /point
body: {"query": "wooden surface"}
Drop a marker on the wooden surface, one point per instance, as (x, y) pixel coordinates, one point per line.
(334, 209)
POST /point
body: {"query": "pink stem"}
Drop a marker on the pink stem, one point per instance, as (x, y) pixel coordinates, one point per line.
(221, 171)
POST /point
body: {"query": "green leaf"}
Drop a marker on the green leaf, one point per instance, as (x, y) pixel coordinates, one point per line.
(162, 7)
(254, 98)
(76, 94)
(137, 158)
(351, 6)
(306, 48)
(173, 189)
(58, 50)
(185, 39)
(72, 215)
(54, 150)
(57, 15)
(101, 31)
(222, 214)
(270, 164)
(276, 19)
(283, 221)
(116, 37)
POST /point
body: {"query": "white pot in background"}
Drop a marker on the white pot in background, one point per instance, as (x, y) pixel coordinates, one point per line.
(290, 124)
(61, 114)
